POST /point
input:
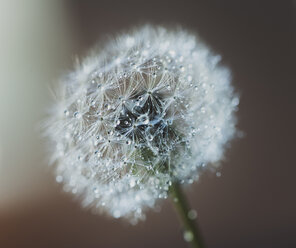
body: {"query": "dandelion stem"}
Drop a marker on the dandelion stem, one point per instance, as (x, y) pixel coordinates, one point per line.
(191, 232)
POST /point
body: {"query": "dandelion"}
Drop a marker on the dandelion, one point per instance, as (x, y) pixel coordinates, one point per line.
(150, 111)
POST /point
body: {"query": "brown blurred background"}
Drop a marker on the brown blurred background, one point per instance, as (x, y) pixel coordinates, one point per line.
(252, 204)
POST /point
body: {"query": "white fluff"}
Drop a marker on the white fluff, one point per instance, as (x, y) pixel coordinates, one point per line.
(151, 108)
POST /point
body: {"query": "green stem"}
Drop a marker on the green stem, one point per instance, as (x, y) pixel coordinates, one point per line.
(191, 232)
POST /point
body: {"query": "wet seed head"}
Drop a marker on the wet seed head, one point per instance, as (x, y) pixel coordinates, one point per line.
(152, 107)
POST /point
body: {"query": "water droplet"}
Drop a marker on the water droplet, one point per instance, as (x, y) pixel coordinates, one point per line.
(190, 181)
(235, 101)
(188, 236)
(59, 178)
(118, 60)
(132, 183)
(192, 214)
(116, 214)
(77, 115)
(143, 119)
(170, 121)
(172, 53)
(66, 112)
(218, 174)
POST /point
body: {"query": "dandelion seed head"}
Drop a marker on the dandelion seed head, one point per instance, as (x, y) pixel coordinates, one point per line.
(153, 106)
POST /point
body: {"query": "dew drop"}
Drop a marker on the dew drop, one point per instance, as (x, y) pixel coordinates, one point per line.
(59, 178)
(116, 214)
(66, 112)
(118, 60)
(77, 115)
(143, 119)
(170, 121)
(188, 236)
(132, 183)
(235, 101)
(192, 214)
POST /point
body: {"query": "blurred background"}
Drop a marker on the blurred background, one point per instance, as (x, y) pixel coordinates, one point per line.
(253, 203)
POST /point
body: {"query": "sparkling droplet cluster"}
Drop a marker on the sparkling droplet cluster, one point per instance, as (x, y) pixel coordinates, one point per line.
(152, 107)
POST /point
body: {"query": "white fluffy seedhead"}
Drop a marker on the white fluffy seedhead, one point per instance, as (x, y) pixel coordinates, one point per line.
(151, 108)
